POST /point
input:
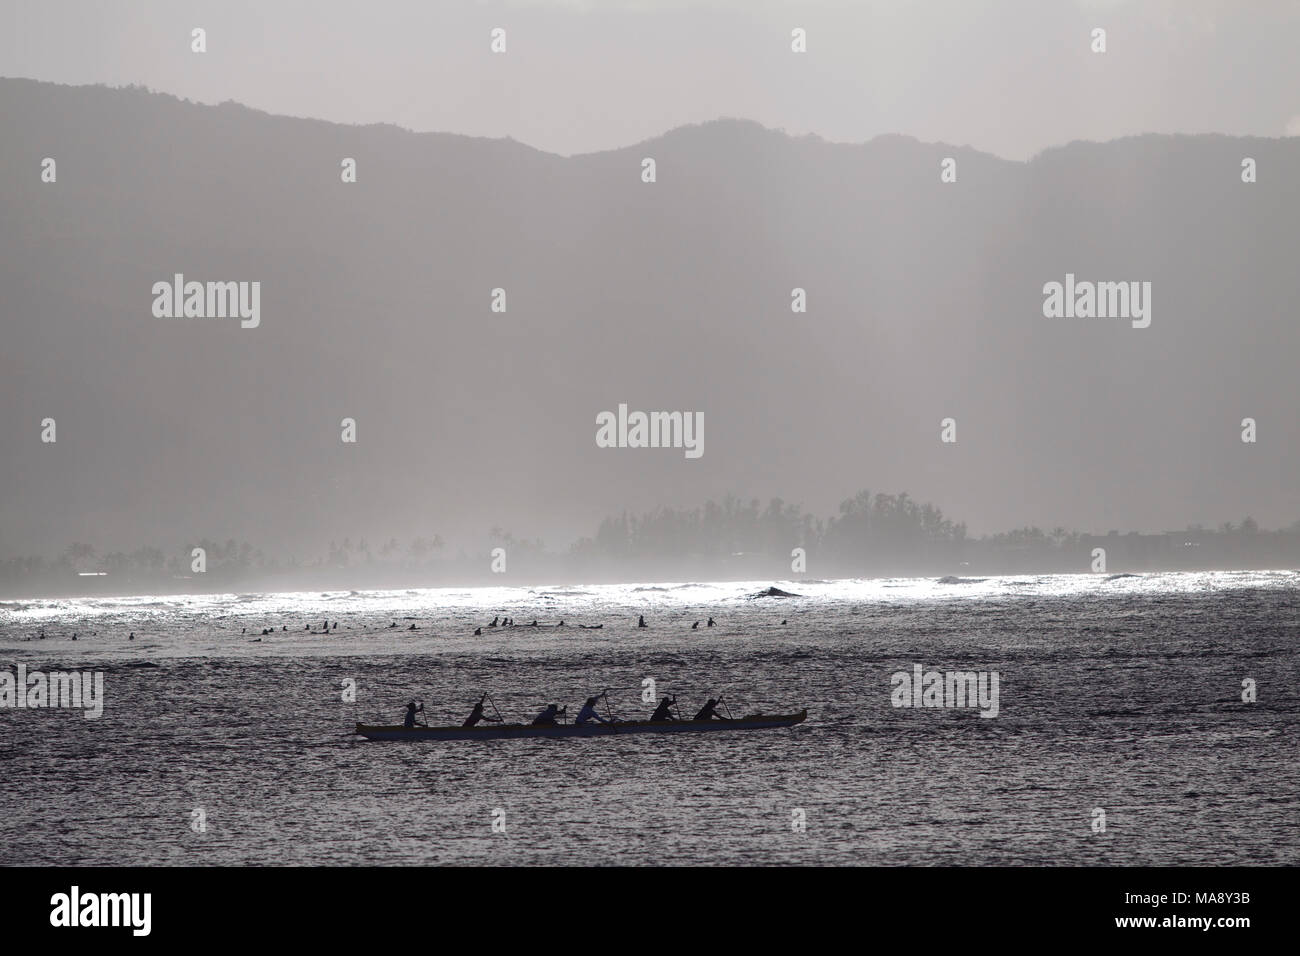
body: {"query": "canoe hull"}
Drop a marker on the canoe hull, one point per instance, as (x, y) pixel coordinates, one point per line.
(519, 731)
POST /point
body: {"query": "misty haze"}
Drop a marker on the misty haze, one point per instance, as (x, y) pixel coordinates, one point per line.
(477, 410)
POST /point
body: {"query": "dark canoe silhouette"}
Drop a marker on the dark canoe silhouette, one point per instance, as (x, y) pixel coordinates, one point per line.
(513, 731)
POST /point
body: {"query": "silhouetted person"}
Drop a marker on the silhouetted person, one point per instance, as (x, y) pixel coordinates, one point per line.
(131, 638)
(477, 714)
(284, 628)
(588, 712)
(782, 620)
(640, 621)
(561, 624)
(74, 637)
(547, 717)
(494, 623)
(478, 632)
(411, 711)
(336, 625)
(695, 625)
(711, 622)
(708, 711)
(534, 624)
(411, 628)
(662, 712)
(394, 624)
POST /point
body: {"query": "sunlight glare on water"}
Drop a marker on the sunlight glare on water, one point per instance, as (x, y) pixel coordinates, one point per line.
(1120, 692)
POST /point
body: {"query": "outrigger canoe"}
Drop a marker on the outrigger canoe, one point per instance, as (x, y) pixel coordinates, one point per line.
(513, 731)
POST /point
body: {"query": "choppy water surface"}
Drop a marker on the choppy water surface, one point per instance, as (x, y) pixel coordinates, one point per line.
(1122, 694)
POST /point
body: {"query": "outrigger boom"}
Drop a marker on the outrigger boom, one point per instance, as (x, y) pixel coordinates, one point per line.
(513, 731)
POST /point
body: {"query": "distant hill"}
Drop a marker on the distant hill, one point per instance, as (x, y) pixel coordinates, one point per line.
(924, 302)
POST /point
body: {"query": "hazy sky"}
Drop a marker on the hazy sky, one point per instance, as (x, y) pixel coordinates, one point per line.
(1011, 77)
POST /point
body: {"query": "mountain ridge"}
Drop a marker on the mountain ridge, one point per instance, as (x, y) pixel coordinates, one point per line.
(924, 302)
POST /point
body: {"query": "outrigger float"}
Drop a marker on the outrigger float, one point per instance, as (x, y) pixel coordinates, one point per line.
(515, 731)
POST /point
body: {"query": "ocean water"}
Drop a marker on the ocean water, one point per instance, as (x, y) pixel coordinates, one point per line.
(1117, 695)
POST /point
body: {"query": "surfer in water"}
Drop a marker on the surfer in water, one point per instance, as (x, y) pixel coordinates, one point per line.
(662, 712)
(711, 622)
(477, 714)
(640, 621)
